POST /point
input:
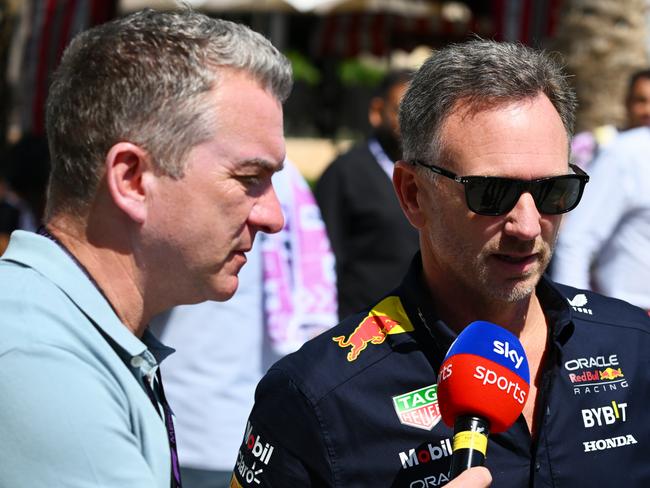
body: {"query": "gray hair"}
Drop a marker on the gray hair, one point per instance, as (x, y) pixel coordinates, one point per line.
(483, 74)
(145, 79)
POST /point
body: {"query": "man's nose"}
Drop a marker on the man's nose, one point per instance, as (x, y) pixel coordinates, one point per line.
(523, 221)
(267, 213)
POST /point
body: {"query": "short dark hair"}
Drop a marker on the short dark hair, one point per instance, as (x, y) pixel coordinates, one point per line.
(392, 78)
(483, 73)
(636, 76)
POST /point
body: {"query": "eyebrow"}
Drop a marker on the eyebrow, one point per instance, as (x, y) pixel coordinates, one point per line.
(265, 164)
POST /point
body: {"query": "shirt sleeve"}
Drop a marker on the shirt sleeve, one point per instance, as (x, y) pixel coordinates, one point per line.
(588, 227)
(65, 424)
(283, 443)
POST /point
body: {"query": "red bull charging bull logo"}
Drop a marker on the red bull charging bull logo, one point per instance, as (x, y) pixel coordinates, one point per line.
(387, 317)
(611, 374)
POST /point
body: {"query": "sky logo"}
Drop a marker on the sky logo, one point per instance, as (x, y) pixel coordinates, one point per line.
(504, 348)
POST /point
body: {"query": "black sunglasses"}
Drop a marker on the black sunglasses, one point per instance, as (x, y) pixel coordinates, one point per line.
(493, 195)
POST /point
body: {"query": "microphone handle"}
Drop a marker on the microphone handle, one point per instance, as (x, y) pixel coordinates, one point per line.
(470, 443)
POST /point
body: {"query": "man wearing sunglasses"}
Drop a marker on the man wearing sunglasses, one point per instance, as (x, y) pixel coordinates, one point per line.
(485, 179)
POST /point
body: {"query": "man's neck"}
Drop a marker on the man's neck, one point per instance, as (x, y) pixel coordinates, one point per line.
(114, 273)
(458, 308)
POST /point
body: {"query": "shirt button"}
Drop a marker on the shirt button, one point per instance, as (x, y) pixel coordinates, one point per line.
(136, 361)
(538, 466)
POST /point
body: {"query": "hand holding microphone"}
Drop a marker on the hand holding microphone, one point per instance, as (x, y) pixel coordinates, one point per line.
(482, 387)
(476, 477)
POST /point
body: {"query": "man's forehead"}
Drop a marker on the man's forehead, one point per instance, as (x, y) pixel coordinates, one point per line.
(640, 88)
(504, 136)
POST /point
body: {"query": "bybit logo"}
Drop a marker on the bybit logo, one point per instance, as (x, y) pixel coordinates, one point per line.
(607, 415)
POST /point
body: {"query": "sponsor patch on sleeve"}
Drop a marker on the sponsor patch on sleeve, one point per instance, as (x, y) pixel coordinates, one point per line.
(253, 457)
(387, 317)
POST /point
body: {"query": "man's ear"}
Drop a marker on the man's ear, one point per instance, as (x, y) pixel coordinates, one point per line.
(408, 187)
(375, 112)
(128, 168)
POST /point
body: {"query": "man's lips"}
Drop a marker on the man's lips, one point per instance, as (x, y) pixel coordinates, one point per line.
(517, 262)
(241, 253)
(516, 258)
(239, 258)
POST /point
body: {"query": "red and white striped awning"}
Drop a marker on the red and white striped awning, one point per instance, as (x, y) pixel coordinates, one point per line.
(348, 35)
(527, 21)
(354, 32)
(45, 29)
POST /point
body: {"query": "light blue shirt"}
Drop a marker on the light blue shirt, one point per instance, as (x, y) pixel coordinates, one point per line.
(73, 411)
(604, 242)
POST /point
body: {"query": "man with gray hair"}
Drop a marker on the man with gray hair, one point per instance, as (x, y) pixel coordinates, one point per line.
(485, 180)
(164, 131)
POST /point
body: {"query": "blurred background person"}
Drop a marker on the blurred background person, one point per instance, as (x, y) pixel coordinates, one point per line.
(586, 145)
(603, 244)
(286, 295)
(28, 168)
(372, 240)
(23, 179)
(8, 220)
(637, 102)
(9, 214)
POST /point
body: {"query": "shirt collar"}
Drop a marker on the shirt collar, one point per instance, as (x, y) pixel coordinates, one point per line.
(49, 259)
(146, 363)
(386, 163)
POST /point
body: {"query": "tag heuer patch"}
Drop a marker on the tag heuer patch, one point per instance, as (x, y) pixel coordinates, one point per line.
(418, 408)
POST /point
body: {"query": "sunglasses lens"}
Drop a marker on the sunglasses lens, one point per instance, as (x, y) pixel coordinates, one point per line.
(491, 195)
(558, 195)
(497, 196)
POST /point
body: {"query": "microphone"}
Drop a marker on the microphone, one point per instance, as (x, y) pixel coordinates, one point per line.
(482, 387)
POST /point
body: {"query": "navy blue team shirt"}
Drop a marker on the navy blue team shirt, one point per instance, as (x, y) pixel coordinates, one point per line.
(357, 406)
